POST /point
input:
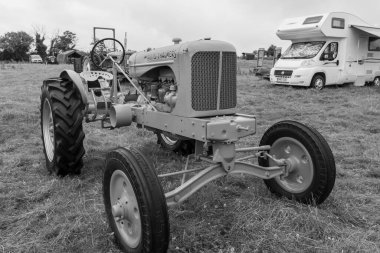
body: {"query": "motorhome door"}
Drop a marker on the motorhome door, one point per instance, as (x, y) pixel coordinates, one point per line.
(331, 61)
(361, 56)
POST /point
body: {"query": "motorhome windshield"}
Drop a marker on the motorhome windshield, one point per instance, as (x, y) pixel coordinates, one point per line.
(303, 50)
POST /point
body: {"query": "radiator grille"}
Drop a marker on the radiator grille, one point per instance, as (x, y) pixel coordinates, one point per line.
(228, 82)
(205, 81)
(283, 72)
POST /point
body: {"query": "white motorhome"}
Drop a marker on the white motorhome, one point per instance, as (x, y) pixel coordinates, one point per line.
(332, 48)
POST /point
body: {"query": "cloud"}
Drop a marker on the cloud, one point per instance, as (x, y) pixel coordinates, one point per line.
(247, 24)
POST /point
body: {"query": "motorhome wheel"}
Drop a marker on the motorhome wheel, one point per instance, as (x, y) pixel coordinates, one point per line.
(318, 82)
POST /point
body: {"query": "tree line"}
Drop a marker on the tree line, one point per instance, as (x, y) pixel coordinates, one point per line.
(17, 46)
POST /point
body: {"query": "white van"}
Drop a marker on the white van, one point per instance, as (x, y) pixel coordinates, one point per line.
(326, 49)
(35, 58)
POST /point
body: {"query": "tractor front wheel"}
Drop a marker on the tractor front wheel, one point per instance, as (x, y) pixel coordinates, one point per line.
(135, 203)
(61, 126)
(309, 159)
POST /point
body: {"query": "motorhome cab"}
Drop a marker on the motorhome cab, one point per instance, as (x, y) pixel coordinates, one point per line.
(333, 48)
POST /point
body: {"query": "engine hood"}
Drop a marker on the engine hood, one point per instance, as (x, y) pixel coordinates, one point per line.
(290, 63)
(166, 55)
(173, 56)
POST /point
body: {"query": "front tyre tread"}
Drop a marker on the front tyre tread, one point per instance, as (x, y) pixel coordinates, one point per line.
(322, 157)
(150, 198)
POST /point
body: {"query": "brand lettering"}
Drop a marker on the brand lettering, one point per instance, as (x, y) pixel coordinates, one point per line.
(161, 56)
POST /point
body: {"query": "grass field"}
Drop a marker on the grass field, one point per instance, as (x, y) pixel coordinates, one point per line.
(40, 212)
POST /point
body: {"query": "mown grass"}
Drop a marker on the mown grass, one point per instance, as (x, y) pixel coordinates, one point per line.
(42, 213)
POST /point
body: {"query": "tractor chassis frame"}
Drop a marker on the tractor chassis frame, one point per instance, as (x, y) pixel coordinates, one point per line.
(204, 131)
(220, 167)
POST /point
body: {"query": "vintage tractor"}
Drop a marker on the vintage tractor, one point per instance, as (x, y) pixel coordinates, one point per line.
(186, 94)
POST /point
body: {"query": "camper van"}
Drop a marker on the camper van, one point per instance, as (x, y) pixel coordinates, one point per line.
(326, 49)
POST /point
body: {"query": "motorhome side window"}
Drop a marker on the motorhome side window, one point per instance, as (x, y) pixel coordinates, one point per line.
(337, 23)
(374, 44)
(330, 52)
(312, 20)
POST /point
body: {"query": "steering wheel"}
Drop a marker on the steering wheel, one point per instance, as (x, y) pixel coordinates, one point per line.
(105, 48)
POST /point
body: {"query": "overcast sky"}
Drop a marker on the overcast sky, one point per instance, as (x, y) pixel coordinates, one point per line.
(247, 24)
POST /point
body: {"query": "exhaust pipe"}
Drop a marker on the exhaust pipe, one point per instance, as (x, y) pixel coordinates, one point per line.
(121, 115)
(177, 40)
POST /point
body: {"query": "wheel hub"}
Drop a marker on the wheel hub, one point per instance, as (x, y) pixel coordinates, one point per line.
(318, 84)
(299, 164)
(119, 210)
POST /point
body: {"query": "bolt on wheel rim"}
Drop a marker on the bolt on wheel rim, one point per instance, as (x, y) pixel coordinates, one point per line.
(319, 84)
(301, 168)
(169, 140)
(48, 129)
(125, 210)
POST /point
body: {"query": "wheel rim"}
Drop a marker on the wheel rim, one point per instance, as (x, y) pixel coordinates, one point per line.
(377, 81)
(125, 210)
(301, 168)
(318, 84)
(48, 129)
(169, 140)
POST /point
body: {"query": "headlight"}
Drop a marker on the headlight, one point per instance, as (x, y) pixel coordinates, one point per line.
(308, 62)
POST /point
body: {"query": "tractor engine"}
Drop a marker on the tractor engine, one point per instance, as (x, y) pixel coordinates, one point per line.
(161, 89)
(192, 79)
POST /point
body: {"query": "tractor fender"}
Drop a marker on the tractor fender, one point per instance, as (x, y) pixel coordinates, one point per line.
(75, 78)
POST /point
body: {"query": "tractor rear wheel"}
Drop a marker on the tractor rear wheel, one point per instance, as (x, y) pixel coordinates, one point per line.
(183, 147)
(311, 163)
(135, 203)
(61, 126)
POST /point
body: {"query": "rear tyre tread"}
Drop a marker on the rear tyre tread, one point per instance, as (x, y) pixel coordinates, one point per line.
(67, 113)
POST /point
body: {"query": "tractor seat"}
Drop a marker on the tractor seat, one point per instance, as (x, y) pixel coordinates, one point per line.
(95, 75)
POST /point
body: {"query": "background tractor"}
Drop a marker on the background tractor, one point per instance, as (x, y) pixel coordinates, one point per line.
(186, 94)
